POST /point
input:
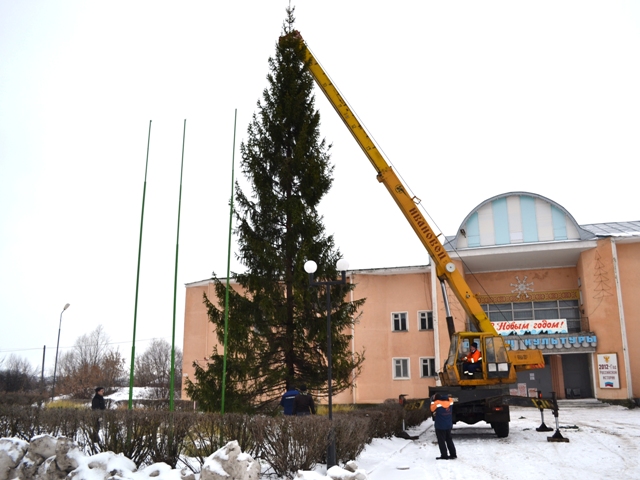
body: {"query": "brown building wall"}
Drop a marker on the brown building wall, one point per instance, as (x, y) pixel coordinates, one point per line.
(411, 290)
(199, 335)
(600, 306)
(546, 279)
(629, 271)
(384, 295)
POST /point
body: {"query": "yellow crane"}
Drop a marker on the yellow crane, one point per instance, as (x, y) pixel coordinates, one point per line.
(499, 365)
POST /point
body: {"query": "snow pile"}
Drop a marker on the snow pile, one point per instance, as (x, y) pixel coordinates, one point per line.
(50, 458)
(229, 463)
(349, 472)
(12, 451)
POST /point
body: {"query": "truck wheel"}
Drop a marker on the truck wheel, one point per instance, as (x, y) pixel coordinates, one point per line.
(501, 429)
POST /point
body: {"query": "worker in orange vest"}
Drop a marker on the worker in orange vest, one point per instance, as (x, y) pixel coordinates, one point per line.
(472, 360)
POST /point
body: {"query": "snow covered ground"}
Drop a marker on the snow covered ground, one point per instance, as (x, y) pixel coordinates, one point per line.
(603, 443)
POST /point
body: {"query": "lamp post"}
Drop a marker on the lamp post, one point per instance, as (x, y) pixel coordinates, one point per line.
(55, 367)
(310, 267)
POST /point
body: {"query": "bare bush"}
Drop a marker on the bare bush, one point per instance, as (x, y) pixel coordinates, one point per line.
(153, 369)
(24, 398)
(91, 362)
(17, 375)
(205, 437)
(290, 444)
(352, 434)
(416, 417)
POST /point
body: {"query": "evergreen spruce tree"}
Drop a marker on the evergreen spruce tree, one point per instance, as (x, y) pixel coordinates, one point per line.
(277, 323)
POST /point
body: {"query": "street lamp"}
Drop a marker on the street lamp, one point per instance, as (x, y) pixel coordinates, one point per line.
(55, 367)
(310, 267)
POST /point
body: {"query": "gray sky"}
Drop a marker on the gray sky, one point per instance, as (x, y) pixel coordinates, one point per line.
(467, 99)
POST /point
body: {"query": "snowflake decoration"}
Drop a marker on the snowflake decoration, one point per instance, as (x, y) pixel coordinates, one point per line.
(522, 287)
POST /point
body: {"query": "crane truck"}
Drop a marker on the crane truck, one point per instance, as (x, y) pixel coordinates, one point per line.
(484, 394)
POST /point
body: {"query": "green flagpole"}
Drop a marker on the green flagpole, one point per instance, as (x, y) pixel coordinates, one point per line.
(175, 283)
(135, 309)
(226, 296)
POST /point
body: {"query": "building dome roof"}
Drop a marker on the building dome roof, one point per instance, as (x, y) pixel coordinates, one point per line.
(517, 218)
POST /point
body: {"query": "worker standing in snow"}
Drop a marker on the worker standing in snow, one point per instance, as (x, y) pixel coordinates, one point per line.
(443, 418)
(97, 403)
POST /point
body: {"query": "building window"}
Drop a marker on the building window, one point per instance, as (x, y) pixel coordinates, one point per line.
(425, 320)
(428, 367)
(400, 368)
(399, 322)
(550, 310)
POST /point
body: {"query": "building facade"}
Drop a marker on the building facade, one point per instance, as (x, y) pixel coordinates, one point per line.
(545, 282)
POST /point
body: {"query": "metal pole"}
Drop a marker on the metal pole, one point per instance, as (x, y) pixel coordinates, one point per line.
(310, 268)
(55, 366)
(331, 449)
(226, 295)
(175, 283)
(44, 351)
(135, 308)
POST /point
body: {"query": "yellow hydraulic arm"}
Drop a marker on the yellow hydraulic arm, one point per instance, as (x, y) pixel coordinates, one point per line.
(445, 268)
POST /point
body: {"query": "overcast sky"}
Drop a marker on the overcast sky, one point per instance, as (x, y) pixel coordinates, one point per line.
(467, 99)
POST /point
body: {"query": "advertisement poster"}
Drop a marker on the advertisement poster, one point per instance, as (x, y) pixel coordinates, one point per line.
(608, 370)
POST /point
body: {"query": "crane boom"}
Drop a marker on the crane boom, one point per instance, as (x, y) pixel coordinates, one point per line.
(445, 268)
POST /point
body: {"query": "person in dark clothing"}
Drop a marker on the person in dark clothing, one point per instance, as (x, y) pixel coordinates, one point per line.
(97, 403)
(287, 400)
(441, 407)
(303, 403)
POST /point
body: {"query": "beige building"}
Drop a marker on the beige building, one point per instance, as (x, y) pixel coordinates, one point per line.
(546, 282)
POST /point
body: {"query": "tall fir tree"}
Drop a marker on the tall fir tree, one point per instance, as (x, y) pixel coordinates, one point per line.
(277, 335)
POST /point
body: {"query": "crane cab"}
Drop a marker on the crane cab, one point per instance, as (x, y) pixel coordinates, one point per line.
(491, 366)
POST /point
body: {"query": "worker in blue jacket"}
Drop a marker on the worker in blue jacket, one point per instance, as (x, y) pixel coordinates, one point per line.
(441, 407)
(287, 400)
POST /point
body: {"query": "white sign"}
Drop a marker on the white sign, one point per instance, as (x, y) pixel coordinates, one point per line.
(608, 370)
(520, 391)
(533, 327)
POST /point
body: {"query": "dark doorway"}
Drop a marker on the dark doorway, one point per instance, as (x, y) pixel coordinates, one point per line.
(577, 377)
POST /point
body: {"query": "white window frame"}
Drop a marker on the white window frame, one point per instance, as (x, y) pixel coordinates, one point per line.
(399, 361)
(426, 313)
(406, 321)
(430, 361)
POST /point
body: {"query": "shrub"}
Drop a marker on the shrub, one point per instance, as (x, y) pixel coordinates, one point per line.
(210, 431)
(385, 420)
(290, 444)
(66, 403)
(23, 398)
(416, 417)
(147, 436)
(156, 404)
(205, 437)
(352, 435)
